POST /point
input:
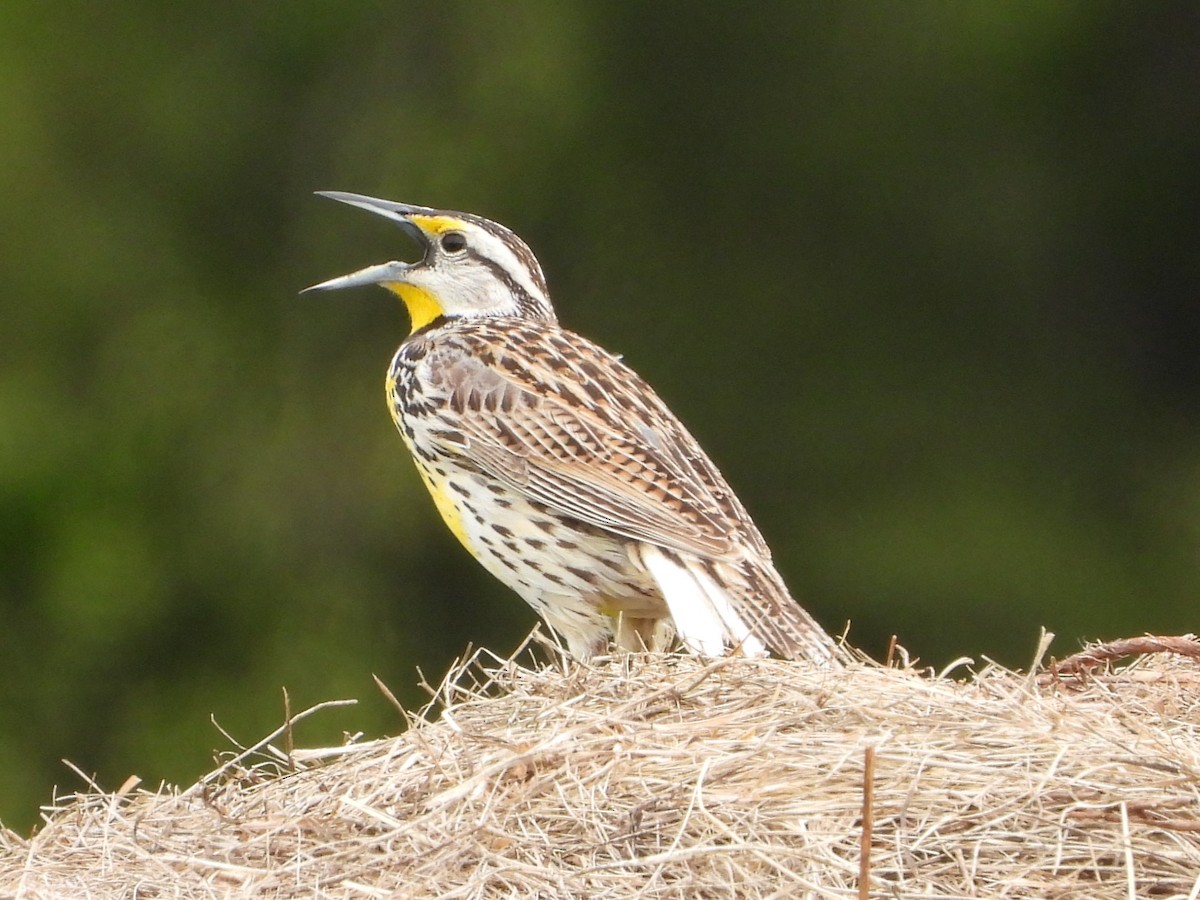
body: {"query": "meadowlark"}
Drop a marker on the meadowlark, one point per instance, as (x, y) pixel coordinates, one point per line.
(559, 468)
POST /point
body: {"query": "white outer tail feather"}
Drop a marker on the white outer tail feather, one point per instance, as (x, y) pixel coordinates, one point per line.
(705, 619)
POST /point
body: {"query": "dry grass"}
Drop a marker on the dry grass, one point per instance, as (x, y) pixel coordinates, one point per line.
(657, 776)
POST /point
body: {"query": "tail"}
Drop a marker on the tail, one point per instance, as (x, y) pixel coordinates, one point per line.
(745, 607)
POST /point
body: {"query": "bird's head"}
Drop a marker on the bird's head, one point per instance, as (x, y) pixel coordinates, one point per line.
(471, 267)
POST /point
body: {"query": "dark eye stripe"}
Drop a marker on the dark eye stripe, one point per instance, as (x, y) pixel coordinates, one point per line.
(536, 304)
(524, 301)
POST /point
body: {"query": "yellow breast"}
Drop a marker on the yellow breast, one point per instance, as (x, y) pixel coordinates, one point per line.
(444, 500)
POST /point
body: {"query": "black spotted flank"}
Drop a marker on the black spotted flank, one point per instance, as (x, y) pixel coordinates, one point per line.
(585, 575)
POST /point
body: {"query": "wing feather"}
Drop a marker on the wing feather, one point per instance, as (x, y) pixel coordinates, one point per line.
(611, 455)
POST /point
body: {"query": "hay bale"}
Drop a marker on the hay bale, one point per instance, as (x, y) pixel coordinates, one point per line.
(668, 776)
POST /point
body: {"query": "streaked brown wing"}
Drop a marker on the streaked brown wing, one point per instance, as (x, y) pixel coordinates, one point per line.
(610, 455)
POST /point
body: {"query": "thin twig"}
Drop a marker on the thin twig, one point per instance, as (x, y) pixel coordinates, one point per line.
(868, 819)
(289, 745)
(1110, 651)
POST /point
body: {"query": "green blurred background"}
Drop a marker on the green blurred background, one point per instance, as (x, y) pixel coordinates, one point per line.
(923, 277)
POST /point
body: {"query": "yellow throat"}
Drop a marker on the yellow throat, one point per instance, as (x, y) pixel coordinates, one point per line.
(423, 307)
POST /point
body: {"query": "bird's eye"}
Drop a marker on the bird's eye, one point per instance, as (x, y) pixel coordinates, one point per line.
(454, 242)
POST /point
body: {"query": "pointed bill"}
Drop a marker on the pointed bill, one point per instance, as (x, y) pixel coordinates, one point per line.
(389, 209)
(382, 273)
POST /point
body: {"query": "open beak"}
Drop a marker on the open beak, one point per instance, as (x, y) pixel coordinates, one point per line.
(383, 272)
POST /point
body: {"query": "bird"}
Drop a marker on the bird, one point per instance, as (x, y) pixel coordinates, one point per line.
(559, 468)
